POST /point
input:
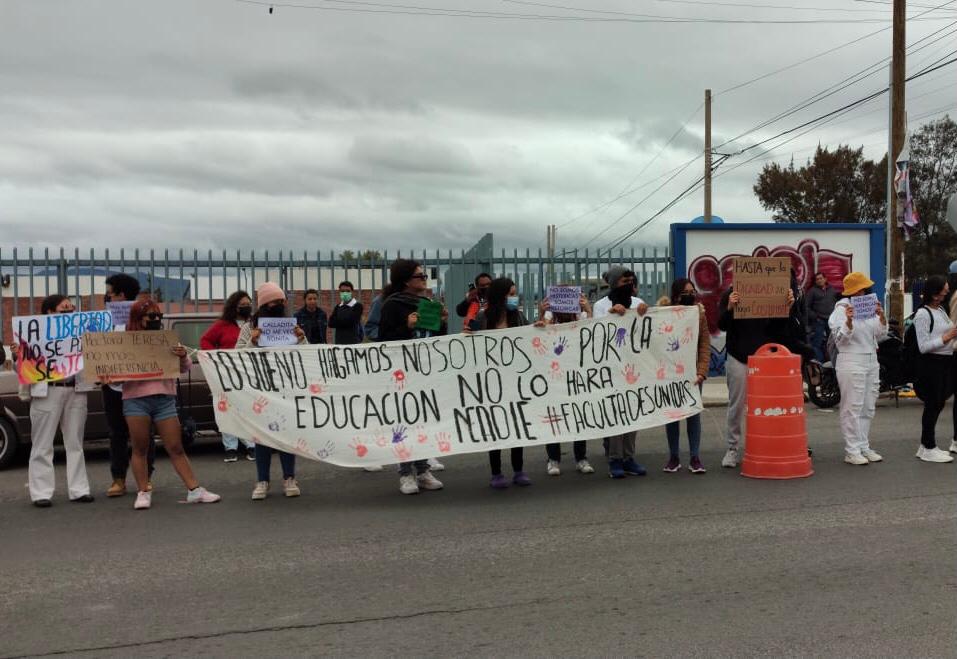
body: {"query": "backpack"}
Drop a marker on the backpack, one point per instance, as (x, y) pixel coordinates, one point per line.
(910, 355)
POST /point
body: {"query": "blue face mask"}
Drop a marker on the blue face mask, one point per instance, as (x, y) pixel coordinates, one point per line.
(511, 302)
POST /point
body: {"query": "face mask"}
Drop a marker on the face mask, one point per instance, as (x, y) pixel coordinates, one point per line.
(345, 296)
(273, 312)
(153, 324)
(244, 311)
(108, 298)
(687, 299)
(482, 292)
(511, 302)
(621, 295)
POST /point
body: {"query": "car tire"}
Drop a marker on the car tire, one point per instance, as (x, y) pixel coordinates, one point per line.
(188, 435)
(9, 443)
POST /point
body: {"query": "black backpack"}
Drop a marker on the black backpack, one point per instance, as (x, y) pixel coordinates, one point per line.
(910, 355)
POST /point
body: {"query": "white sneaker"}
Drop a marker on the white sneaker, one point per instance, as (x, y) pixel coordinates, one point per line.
(933, 455)
(435, 465)
(853, 459)
(553, 469)
(408, 484)
(730, 459)
(261, 490)
(872, 455)
(143, 500)
(427, 481)
(291, 487)
(373, 468)
(201, 495)
(953, 446)
(584, 467)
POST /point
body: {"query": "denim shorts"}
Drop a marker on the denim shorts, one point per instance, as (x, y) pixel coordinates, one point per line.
(158, 407)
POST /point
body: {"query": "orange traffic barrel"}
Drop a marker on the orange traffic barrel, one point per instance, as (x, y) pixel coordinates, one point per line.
(776, 437)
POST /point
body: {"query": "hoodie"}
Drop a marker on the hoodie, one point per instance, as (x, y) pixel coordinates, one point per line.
(393, 323)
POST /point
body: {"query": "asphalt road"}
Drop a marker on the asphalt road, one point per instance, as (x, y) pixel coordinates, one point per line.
(854, 561)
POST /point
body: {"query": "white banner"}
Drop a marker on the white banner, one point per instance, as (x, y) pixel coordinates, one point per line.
(381, 403)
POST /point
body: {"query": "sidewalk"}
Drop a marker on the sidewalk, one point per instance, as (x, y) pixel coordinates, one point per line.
(715, 392)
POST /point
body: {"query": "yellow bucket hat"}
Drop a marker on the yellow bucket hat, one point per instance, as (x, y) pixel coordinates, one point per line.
(855, 282)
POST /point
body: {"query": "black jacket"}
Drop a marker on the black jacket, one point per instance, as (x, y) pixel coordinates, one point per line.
(393, 324)
(313, 323)
(347, 321)
(745, 336)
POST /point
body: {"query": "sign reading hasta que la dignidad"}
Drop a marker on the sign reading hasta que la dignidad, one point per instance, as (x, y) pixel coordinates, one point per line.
(50, 345)
(763, 284)
(383, 403)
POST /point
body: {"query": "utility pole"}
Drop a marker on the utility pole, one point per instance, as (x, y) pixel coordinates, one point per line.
(551, 242)
(707, 155)
(897, 128)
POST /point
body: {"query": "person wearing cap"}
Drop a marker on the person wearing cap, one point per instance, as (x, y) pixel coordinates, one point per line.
(858, 372)
(935, 368)
(271, 301)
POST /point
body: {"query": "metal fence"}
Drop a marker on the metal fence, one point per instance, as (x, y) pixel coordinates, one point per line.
(188, 280)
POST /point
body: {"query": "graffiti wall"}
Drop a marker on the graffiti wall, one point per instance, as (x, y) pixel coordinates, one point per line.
(706, 252)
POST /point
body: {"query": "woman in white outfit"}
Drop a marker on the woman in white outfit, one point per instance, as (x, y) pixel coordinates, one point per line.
(57, 404)
(858, 373)
(935, 377)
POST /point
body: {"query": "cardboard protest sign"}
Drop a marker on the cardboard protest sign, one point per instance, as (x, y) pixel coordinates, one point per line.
(277, 332)
(430, 315)
(120, 311)
(50, 345)
(564, 299)
(763, 284)
(124, 356)
(865, 306)
(380, 403)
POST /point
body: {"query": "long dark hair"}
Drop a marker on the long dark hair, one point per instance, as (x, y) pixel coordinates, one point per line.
(400, 273)
(50, 303)
(678, 289)
(933, 286)
(230, 314)
(498, 291)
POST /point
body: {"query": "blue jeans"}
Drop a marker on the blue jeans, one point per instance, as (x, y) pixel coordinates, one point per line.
(264, 461)
(819, 339)
(231, 442)
(673, 430)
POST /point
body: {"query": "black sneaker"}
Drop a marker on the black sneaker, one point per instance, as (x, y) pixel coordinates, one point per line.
(251, 454)
(231, 456)
(42, 503)
(86, 498)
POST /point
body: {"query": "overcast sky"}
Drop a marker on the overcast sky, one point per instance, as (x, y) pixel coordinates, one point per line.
(213, 124)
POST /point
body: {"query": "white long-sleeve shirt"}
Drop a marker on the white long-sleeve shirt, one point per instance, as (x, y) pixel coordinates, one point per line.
(932, 343)
(863, 338)
(603, 307)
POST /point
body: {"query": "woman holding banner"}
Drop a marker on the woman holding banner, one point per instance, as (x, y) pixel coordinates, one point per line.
(399, 321)
(501, 312)
(272, 304)
(222, 335)
(858, 373)
(148, 402)
(57, 403)
(683, 293)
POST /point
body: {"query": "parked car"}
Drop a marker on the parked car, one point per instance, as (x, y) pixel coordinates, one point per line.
(194, 400)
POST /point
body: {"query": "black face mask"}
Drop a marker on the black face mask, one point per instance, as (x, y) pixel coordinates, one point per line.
(622, 295)
(244, 311)
(153, 324)
(867, 291)
(273, 312)
(482, 293)
(687, 299)
(107, 298)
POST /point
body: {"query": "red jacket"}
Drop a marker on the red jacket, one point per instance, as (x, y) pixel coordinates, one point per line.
(221, 335)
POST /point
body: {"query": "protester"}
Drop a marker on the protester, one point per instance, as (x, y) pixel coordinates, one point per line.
(935, 368)
(272, 304)
(222, 335)
(742, 339)
(951, 306)
(149, 402)
(310, 318)
(579, 446)
(501, 311)
(621, 297)
(346, 318)
(59, 403)
(371, 328)
(402, 296)
(820, 301)
(858, 372)
(683, 293)
(121, 288)
(476, 300)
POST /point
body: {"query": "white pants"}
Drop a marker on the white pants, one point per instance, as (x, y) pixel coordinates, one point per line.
(737, 377)
(63, 407)
(858, 376)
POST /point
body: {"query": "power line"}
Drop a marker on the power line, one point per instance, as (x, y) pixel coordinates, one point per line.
(697, 3)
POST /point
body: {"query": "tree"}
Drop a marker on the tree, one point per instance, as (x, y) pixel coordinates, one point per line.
(933, 178)
(368, 255)
(836, 186)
